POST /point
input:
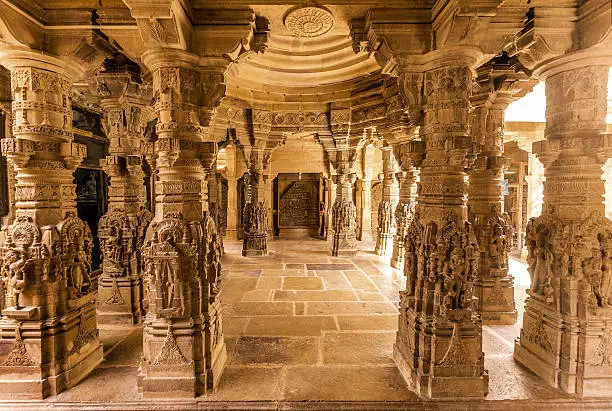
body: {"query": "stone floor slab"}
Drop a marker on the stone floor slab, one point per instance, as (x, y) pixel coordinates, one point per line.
(326, 295)
(345, 383)
(367, 322)
(358, 348)
(276, 350)
(302, 283)
(331, 308)
(290, 326)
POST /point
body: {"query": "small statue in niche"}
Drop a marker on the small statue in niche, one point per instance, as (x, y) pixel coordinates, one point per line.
(80, 266)
(541, 262)
(497, 247)
(113, 248)
(17, 274)
(459, 275)
(605, 288)
(322, 219)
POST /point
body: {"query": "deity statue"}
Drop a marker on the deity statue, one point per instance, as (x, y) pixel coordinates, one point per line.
(17, 274)
(113, 248)
(497, 247)
(606, 282)
(541, 263)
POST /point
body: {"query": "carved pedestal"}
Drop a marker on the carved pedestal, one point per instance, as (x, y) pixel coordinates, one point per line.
(438, 348)
(566, 328)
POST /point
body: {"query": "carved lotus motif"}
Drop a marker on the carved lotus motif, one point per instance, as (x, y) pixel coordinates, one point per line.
(309, 21)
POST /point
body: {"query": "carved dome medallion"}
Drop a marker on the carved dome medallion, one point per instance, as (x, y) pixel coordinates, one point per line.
(309, 21)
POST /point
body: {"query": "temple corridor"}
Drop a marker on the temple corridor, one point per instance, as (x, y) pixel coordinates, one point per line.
(303, 325)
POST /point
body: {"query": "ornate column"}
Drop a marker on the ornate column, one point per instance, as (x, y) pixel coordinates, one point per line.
(255, 213)
(122, 229)
(439, 340)
(365, 185)
(231, 232)
(46, 252)
(499, 82)
(407, 177)
(183, 347)
(342, 235)
(387, 227)
(567, 325)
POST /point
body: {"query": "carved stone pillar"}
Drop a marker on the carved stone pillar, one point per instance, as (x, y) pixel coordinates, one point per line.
(231, 232)
(494, 287)
(342, 235)
(387, 226)
(46, 252)
(499, 82)
(567, 325)
(404, 211)
(439, 341)
(255, 213)
(122, 229)
(183, 347)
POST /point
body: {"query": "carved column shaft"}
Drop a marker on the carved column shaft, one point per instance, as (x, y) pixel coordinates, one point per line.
(439, 341)
(46, 252)
(567, 323)
(386, 209)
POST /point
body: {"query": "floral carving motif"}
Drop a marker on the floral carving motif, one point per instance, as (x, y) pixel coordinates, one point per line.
(309, 21)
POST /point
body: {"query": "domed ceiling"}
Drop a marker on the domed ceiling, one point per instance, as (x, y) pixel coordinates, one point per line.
(309, 59)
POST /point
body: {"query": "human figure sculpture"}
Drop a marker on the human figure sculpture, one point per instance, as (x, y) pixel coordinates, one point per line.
(17, 275)
(113, 248)
(606, 281)
(459, 273)
(497, 247)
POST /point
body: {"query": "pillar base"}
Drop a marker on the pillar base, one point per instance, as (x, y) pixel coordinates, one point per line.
(255, 245)
(398, 254)
(119, 301)
(22, 376)
(177, 368)
(454, 348)
(568, 355)
(343, 245)
(496, 300)
(384, 244)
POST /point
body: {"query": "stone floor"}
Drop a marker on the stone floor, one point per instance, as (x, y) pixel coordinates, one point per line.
(305, 330)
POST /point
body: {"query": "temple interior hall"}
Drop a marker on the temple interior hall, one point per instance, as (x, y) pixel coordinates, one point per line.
(285, 205)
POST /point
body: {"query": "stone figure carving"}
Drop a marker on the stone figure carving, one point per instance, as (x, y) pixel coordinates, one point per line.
(413, 266)
(386, 220)
(75, 243)
(344, 215)
(170, 260)
(21, 252)
(606, 266)
(499, 229)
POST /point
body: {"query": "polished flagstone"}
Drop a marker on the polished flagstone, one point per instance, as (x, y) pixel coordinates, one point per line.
(302, 325)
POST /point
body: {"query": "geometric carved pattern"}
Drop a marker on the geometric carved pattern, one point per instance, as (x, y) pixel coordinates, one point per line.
(309, 21)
